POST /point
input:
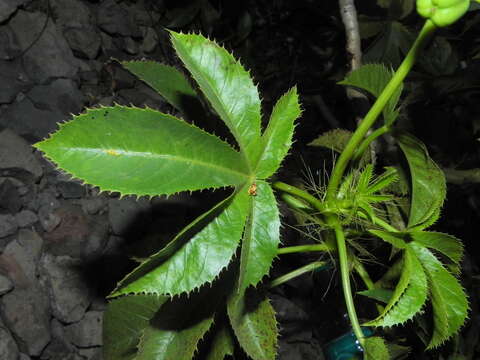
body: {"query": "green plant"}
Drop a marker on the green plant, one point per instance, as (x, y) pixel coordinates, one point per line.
(196, 284)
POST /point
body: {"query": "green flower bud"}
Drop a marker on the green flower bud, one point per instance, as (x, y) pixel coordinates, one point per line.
(442, 12)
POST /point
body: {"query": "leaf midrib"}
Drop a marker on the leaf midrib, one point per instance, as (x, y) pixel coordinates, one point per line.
(150, 155)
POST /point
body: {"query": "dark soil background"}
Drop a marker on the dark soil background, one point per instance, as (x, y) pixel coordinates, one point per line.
(63, 246)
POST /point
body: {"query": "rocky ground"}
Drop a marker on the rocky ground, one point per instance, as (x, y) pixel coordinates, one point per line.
(62, 245)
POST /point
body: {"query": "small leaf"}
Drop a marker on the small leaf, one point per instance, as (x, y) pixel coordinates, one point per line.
(190, 261)
(335, 140)
(375, 349)
(261, 237)
(409, 296)
(382, 295)
(123, 323)
(446, 244)
(222, 345)
(166, 80)
(227, 86)
(428, 182)
(449, 301)
(180, 324)
(142, 152)
(393, 238)
(277, 138)
(253, 321)
(373, 78)
(381, 182)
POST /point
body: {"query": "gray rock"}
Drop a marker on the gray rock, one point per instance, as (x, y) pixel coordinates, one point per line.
(91, 353)
(59, 348)
(150, 41)
(310, 350)
(8, 7)
(26, 313)
(50, 56)
(69, 293)
(127, 212)
(25, 256)
(42, 108)
(93, 205)
(71, 189)
(115, 19)
(77, 25)
(11, 200)
(8, 225)
(17, 158)
(5, 285)
(31, 242)
(24, 357)
(48, 219)
(8, 346)
(14, 80)
(9, 46)
(26, 218)
(88, 331)
(78, 235)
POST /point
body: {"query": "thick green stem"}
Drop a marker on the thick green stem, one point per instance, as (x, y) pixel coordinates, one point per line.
(295, 273)
(345, 275)
(377, 108)
(366, 143)
(305, 248)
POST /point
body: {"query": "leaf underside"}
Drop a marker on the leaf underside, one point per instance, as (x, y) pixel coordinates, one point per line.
(132, 151)
(428, 182)
(166, 80)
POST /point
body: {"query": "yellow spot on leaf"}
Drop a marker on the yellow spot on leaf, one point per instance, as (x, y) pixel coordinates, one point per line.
(112, 152)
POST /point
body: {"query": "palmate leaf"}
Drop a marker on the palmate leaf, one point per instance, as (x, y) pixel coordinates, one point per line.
(123, 324)
(428, 183)
(277, 138)
(253, 321)
(132, 151)
(166, 80)
(449, 301)
(261, 236)
(227, 86)
(190, 261)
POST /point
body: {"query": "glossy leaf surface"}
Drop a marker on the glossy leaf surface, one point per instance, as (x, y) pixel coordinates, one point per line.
(428, 182)
(226, 84)
(142, 152)
(253, 321)
(409, 295)
(449, 301)
(277, 138)
(124, 322)
(190, 261)
(166, 80)
(261, 236)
